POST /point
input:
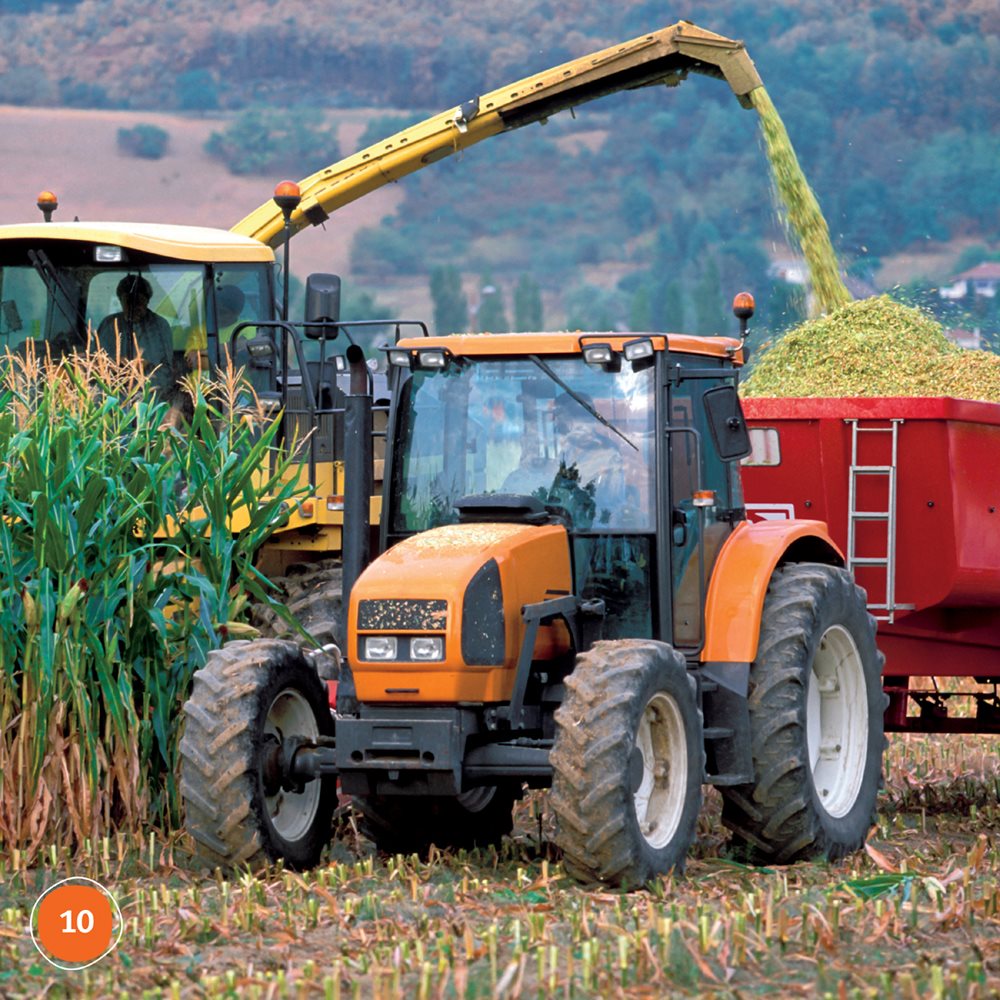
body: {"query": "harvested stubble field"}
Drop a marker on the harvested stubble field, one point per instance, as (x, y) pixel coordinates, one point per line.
(915, 916)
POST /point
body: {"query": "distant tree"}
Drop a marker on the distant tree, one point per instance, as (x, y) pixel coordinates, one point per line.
(668, 312)
(358, 303)
(709, 310)
(380, 249)
(528, 314)
(382, 127)
(640, 313)
(197, 90)
(82, 94)
(973, 255)
(492, 316)
(148, 142)
(28, 85)
(638, 205)
(589, 307)
(273, 140)
(451, 309)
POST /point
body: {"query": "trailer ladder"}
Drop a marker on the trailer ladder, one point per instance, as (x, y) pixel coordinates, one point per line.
(887, 564)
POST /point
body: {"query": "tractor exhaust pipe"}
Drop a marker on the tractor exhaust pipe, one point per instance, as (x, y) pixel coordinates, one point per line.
(358, 486)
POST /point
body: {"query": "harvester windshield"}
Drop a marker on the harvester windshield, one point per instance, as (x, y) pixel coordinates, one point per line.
(60, 295)
(579, 439)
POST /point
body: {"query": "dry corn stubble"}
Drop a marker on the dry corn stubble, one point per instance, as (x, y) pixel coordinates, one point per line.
(873, 347)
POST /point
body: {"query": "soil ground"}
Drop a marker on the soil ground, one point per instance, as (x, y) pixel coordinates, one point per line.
(915, 915)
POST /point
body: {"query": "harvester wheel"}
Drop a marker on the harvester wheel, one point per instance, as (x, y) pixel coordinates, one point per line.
(401, 824)
(312, 593)
(816, 707)
(628, 763)
(247, 697)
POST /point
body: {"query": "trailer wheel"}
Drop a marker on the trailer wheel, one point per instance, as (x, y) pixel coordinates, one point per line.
(816, 722)
(245, 699)
(628, 763)
(404, 824)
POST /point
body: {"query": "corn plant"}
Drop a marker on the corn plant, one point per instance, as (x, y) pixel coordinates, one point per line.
(119, 570)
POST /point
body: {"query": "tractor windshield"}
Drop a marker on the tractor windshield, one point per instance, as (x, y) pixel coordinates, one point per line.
(580, 439)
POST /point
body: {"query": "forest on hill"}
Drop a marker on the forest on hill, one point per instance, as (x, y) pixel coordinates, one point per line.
(645, 209)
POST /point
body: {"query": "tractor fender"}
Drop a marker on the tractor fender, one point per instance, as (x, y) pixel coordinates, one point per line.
(741, 576)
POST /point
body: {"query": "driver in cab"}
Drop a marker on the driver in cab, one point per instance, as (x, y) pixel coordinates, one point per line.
(137, 324)
(597, 475)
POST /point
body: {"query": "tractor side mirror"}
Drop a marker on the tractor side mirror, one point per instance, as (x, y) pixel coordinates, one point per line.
(322, 306)
(726, 422)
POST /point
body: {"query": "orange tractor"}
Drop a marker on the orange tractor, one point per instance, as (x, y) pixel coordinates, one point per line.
(568, 595)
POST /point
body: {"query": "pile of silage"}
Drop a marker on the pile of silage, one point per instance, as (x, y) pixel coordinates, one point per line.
(873, 347)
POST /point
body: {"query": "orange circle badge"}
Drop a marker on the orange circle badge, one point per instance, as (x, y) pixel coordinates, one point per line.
(75, 923)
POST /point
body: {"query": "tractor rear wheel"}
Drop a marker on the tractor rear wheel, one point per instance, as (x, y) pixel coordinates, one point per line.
(247, 698)
(816, 722)
(628, 763)
(405, 824)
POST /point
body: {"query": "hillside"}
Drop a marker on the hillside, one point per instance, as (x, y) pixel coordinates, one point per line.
(74, 153)
(649, 208)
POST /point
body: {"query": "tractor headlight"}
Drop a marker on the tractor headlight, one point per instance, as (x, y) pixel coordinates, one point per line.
(427, 647)
(380, 647)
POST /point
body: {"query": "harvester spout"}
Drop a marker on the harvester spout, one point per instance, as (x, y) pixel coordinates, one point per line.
(665, 57)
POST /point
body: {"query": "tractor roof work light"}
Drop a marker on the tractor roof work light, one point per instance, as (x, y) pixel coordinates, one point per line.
(106, 254)
(400, 357)
(638, 350)
(601, 356)
(432, 357)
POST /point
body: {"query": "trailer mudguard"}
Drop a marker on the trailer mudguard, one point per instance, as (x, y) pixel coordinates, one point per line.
(740, 579)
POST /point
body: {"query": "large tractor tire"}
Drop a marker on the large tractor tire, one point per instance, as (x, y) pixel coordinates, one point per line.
(403, 824)
(628, 763)
(312, 592)
(247, 697)
(816, 705)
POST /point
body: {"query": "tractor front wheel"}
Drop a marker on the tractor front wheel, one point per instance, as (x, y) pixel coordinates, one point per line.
(628, 763)
(247, 699)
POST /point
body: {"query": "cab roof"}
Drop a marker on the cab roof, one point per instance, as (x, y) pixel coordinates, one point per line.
(196, 243)
(487, 344)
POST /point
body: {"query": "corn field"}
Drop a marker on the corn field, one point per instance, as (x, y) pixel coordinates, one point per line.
(118, 572)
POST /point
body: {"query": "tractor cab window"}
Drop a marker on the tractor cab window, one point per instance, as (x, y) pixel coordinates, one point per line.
(576, 438)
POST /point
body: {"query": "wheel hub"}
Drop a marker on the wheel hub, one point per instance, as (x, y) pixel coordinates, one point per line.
(837, 721)
(290, 806)
(661, 746)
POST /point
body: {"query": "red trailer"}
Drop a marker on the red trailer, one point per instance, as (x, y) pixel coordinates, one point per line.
(910, 489)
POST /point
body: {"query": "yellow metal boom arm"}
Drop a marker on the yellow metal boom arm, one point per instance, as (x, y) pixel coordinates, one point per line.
(665, 56)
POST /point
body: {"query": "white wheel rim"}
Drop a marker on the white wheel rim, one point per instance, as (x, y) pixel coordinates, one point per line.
(837, 721)
(292, 813)
(660, 797)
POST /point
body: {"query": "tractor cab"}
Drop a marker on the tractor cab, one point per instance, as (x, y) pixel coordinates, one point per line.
(172, 294)
(562, 429)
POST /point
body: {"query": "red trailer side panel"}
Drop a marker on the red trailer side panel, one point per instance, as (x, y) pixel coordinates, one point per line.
(941, 577)
(947, 510)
